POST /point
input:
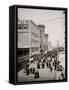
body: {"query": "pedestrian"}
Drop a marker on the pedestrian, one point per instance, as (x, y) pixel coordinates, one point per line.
(27, 69)
(38, 66)
(37, 74)
(43, 65)
(55, 67)
(33, 70)
(47, 63)
(44, 60)
(61, 77)
(51, 69)
(55, 64)
(62, 68)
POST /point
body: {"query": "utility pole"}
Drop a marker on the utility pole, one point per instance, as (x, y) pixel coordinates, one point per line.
(57, 50)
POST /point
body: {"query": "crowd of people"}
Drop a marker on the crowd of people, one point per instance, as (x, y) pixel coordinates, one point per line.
(49, 61)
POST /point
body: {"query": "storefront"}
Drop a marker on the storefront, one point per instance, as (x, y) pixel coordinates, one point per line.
(23, 58)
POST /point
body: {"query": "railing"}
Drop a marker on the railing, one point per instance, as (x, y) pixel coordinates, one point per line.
(20, 59)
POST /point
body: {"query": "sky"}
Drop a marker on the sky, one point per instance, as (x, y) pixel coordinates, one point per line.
(54, 21)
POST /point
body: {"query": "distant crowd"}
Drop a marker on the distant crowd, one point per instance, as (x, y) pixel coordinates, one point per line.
(47, 60)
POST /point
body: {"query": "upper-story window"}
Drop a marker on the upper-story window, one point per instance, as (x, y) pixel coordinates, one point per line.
(22, 24)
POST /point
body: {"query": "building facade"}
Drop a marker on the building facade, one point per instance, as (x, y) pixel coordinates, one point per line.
(46, 42)
(42, 37)
(28, 41)
(28, 37)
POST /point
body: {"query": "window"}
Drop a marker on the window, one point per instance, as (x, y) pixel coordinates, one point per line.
(19, 26)
(22, 24)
